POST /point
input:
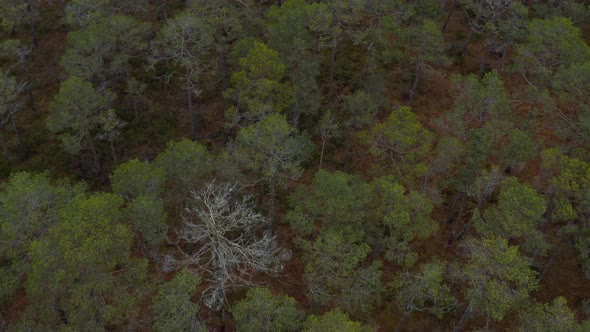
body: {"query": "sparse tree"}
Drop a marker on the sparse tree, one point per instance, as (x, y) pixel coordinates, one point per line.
(231, 242)
(100, 53)
(185, 41)
(424, 291)
(327, 128)
(274, 151)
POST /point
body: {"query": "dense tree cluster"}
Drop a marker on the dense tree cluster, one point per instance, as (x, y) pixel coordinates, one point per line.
(294, 165)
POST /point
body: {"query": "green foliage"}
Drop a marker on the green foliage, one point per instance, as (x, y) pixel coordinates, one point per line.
(336, 199)
(12, 13)
(148, 217)
(187, 164)
(81, 13)
(577, 12)
(555, 316)
(173, 308)
(360, 109)
(186, 41)
(297, 30)
(297, 26)
(335, 272)
(402, 218)
(10, 91)
(572, 198)
(261, 311)
(102, 50)
(498, 278)
(551, 44)
(272, 149)
(334, 320)
(75, 113)
(135, 178)
(401, 142)
(72, 264)
(477, 102)
(518, 212)
(256, 89)
(572, 195)
(426, 290)
(29, 205)
(502, 22)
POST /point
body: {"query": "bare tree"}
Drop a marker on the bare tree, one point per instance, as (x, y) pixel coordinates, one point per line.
(228, 242)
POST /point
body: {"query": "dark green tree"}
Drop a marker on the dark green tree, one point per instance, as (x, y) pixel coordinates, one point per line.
(338, 200)
(333, 320)
(29, 206)
(187, 165)
(336, 275)
(76, 116)
(100, 53)
(135, 178)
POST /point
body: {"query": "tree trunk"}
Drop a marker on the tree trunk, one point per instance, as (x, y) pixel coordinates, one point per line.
(550, 262)
(29, 87)
(414, 88)
(224, 72)
(272, 193)
(463, 320)
(32, 23)
(114, 153)
(95, 158)
(21, 143)
(221, 314)
(450, 218)
(451, 11)
(5, 150)
(322, 151)
(333, 60)
(134, 105)
(402, 321)
(190, 111)
(456, 226)
(467, 42)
